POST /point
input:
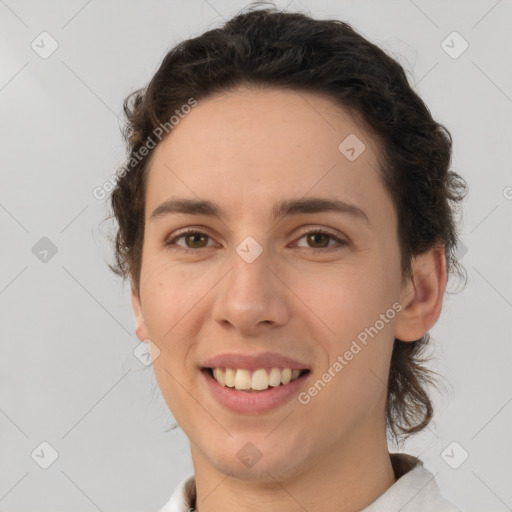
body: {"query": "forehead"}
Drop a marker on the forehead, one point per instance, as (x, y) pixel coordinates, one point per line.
(250, 147)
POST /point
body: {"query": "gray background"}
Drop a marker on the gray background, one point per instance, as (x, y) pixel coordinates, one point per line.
(68, 375)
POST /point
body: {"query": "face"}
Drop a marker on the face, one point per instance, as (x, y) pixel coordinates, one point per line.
(309, 284)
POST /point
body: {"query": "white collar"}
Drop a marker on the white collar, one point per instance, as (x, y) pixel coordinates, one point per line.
(414, 491)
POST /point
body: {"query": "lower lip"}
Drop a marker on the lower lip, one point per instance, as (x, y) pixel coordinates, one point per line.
(257, 402)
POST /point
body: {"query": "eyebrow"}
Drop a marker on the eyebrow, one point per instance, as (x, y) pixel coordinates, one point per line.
(279, 210)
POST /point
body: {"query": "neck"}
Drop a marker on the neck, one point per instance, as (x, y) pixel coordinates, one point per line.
(344, 478)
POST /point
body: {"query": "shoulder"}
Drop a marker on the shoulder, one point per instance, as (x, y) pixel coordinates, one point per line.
(415, 489)
(183, 496)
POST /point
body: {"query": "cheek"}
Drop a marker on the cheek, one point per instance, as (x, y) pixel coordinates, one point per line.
(345, 300)
(352, 313)
(169, 313)
(168, 295)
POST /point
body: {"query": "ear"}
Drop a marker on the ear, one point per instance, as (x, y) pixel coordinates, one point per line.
(422, 296)
(140, 324)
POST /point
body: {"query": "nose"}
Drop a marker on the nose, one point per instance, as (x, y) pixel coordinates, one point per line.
(251, 297)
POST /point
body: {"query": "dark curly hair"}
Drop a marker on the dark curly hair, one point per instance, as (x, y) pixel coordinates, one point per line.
(269, 48)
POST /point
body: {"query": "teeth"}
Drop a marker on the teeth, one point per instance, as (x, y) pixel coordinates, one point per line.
(229, 377)
(219, 376)
(259, 380)
(286, 376)
(274, 378)
(242, 379)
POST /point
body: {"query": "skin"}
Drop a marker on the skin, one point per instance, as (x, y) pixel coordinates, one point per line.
(245, 150)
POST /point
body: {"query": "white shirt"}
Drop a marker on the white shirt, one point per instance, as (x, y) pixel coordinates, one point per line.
(415, 490)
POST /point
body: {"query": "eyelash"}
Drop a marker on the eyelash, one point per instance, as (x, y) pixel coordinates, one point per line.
(170, 243)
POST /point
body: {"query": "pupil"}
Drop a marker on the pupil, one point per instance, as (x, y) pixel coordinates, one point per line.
(314, 236)
(194, 237)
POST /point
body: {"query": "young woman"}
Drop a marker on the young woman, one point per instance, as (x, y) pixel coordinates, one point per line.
(286, 220)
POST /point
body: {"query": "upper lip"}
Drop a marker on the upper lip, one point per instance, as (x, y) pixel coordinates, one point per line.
(254, 361)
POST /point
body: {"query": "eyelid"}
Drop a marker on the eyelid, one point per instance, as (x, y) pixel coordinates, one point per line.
(320, 229)
(202, 230)
(341, 241)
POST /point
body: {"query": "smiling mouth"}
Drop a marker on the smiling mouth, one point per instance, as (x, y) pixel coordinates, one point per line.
(254, 381)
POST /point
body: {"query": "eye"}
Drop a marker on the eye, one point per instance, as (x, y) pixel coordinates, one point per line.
(194, 239)
(320, 239)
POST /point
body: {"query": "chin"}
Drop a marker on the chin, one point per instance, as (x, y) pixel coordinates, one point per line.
(262, 465)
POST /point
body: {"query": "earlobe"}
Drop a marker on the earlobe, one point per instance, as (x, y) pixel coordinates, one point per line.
(140, 324)
(422, 298)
